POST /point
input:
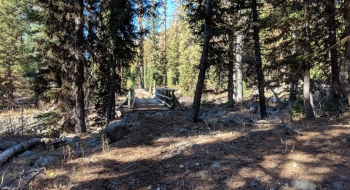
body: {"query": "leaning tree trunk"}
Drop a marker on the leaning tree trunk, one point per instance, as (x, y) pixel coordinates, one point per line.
(203, 62)
(79, 112)
(260, 74)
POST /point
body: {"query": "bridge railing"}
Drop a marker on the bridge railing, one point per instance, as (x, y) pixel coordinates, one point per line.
(129, 99)
(167, 97)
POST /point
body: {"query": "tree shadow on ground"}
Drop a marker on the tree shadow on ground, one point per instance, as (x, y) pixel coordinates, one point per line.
(236, 158)
(158, 155)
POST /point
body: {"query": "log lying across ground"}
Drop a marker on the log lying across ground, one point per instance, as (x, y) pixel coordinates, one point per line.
(7, 154)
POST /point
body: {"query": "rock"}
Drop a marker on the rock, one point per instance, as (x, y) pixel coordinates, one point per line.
(44, 161)
(271, 108)
(303, 184)
(126, 118)
(180, 152)
(190, 164)
(342, 177)
(159, 114)
(253, 109)
(262, 122)
(93, 142)
(195, 146)
(117, 131)
(337, 186)
(273, 99)
(27, 153)
(70, 138)
(186, 131)
(216, 165)
(112, 185)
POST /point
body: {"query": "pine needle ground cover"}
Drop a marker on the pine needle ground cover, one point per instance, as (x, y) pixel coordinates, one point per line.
(165, 150)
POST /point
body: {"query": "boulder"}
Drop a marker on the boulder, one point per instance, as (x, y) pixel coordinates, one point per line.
(116, 131)
(44, 161)
(303, 184)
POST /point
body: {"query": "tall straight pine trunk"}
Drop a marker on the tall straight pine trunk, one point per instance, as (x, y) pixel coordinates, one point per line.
(111, 98)
(79, 112)
(141, 65)
(346, 62)
(203, 62)
(332, 40)
(260, 74)
(239, 75)
(230, 85)
(309, 112)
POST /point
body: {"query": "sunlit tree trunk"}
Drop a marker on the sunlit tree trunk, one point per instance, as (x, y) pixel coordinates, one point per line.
(309, 113)
(141, 66)
(164, 59)
(239, 75)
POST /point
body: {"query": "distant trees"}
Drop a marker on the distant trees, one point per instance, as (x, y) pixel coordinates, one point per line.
(11, 46)
(78, 53)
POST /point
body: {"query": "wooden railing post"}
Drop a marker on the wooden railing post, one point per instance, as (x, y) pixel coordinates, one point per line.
(129, 98)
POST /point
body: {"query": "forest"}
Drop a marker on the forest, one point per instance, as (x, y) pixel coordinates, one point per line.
(283, 63)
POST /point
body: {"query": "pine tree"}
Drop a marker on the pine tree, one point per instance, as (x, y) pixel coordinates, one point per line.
(11, 39)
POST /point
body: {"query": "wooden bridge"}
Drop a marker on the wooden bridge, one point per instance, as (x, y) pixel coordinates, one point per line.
(140, 100)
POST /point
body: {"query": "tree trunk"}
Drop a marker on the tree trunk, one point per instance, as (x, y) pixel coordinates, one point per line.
(239, 75)
(309, 113)
(17, 149)
(260, 74)
(140, 29)
(165, 47)
(332, 40)
(230, 85)
(346, 62)
(111, 99)
(79, 113)
(203, 62)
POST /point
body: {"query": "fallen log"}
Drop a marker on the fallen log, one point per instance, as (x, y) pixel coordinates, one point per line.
(7, 154)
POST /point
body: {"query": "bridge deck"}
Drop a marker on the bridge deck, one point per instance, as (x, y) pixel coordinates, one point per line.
(144, 102)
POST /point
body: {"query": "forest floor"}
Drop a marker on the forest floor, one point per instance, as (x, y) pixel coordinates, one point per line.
(232, 149)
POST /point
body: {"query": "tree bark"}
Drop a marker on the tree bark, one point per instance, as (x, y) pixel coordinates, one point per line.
(79, 112)
(346, 62)
(239, 75)
(260, 74)
(203, 62)
(230, 85)
(111, 99)
(140, 29)
(309, 113)
(332, 40)
(165, 47)
(17, 149)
